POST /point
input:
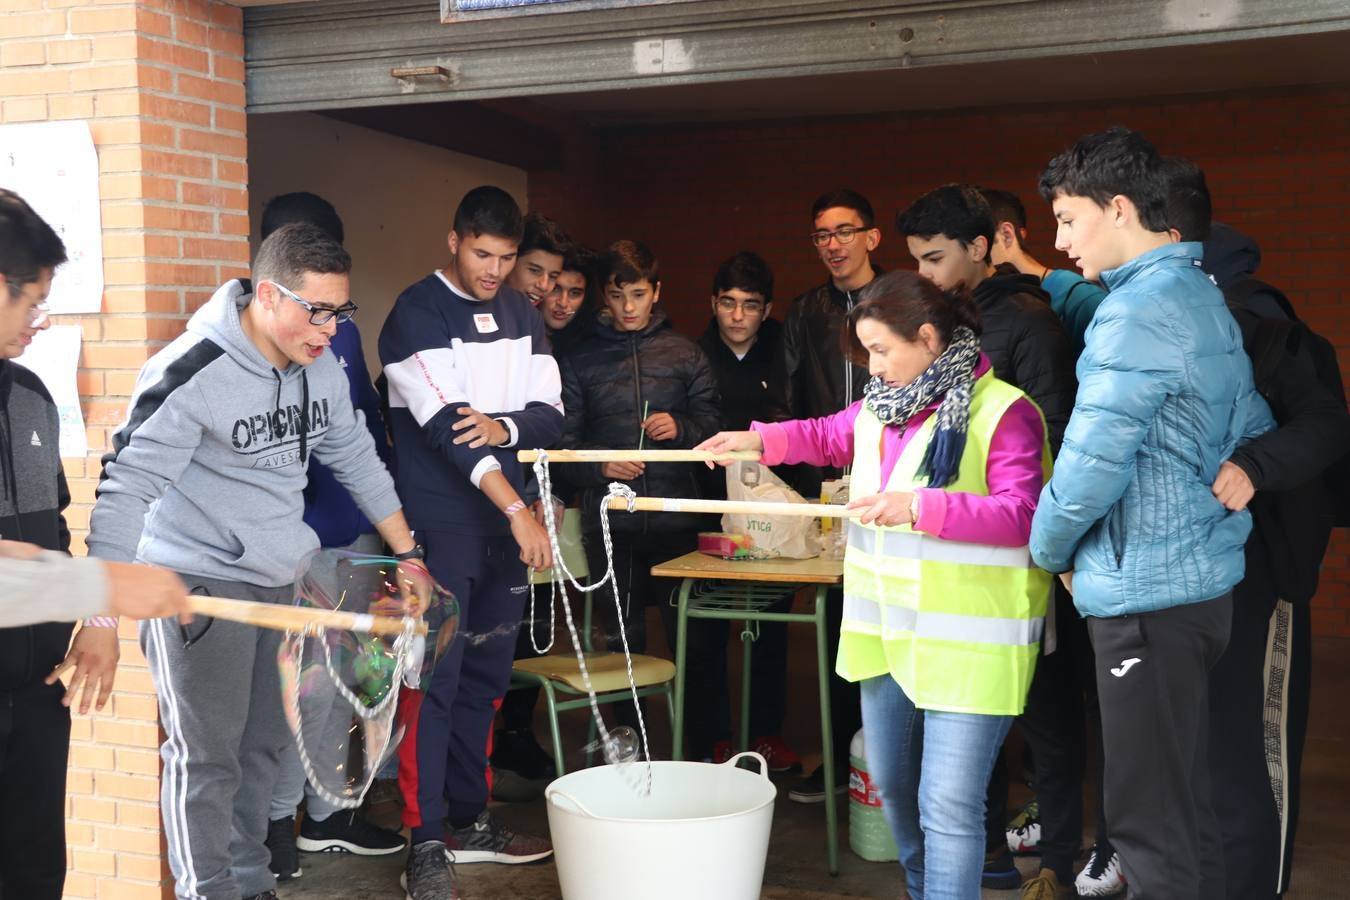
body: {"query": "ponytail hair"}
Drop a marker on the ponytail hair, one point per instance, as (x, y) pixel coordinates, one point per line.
(904, 302)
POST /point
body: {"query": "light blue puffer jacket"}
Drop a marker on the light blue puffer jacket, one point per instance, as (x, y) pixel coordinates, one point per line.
(1165, 394)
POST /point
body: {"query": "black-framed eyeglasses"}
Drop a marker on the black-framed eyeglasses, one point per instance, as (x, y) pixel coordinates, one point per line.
(749, 307)
(319, 315)
(844, 234)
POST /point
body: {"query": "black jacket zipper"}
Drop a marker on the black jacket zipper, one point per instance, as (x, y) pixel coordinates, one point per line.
(637, 396)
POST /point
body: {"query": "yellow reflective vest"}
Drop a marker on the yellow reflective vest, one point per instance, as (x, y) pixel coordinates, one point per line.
(957, 625)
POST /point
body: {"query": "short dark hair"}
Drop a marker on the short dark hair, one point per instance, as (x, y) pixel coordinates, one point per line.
(627, 262)
(1005, 206)
(301, 206)
(293, 250)
(904, 302)
(580, 259)
(1114, 162)
(28, 245)
(955, 211)
(747, 272)
(847, 199)
(542, 233)
(489, 210)
(1189, 209)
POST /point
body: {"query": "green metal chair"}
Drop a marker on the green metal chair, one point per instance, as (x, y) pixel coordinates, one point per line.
(557, 673)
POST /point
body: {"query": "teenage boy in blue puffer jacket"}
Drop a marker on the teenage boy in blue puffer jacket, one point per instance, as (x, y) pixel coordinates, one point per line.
(1130, 517)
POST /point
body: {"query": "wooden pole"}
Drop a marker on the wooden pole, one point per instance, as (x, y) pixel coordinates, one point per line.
(297, 618)
(746, 507)
(594, 456)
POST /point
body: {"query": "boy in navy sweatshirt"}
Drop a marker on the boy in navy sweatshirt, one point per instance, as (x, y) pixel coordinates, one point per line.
(470, 379)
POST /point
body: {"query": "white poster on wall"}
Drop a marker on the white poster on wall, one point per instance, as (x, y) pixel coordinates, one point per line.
(53, 166)
(54, 356)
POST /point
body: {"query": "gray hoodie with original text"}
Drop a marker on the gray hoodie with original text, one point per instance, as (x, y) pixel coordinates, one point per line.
(205, 476)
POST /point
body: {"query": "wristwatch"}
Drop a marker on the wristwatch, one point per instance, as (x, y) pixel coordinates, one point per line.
(417, 552)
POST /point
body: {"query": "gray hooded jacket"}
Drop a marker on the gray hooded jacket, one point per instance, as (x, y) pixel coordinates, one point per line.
(205, 476)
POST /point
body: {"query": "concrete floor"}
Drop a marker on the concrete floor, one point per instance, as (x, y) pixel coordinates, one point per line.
(796, 863)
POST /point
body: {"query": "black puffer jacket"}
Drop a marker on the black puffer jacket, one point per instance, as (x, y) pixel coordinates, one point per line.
(32, 496)
(816, 379)
(606, 382)
(1027, 344)
(1293, 510)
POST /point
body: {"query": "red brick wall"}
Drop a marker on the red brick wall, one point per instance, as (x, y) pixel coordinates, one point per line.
(160, 83)
(1278, 165)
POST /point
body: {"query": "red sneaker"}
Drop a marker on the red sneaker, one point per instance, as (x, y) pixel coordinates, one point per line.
(721, 752)
(782, 759)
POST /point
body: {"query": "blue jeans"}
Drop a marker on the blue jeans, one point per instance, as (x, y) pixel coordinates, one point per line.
(931, 769)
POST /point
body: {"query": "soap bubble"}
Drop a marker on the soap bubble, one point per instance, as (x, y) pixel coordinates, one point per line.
(619, 745)
(340, 688)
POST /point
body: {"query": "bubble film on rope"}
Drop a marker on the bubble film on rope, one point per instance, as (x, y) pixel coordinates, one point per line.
(620, 746)
(340, 688)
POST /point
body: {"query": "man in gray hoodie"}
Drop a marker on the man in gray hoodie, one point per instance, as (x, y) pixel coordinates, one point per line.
(205, 478)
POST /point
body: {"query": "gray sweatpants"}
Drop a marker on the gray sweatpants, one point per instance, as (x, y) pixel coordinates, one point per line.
(220, 707)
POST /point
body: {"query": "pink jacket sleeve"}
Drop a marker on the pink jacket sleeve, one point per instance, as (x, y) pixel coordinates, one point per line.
(1014, 474)
(827, 441)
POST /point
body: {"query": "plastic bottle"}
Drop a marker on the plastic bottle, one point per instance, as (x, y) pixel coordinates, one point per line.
(868, 834)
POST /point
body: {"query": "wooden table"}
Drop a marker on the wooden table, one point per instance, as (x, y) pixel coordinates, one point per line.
(742, 590)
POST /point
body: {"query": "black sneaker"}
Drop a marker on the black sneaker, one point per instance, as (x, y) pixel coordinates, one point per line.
(429, 874)
(487, 840)
(346, 832)
(1000, 872)
(519, 752)
(265, 895)
(285, 863)
(811, 789)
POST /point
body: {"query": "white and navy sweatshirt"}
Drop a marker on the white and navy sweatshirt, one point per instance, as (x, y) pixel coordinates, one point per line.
(443, 350)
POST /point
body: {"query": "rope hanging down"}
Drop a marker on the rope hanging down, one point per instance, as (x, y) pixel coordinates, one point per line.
(560, 572)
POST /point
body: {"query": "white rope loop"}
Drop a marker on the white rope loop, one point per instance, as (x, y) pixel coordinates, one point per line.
(560, 571)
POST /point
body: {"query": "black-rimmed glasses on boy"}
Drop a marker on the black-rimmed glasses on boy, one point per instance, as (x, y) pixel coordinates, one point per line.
(844, 234)
(319, 315)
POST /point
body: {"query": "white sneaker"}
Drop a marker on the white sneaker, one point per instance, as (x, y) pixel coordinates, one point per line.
(1024, 831)
(1102, 876)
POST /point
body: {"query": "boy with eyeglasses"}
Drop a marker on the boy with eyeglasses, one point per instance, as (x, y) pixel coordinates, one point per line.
(341, 528)
(817, 379)
(206, 478)
(34, 708)
(743, 345)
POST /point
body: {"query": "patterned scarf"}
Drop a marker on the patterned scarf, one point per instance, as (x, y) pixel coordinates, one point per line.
(950, 374)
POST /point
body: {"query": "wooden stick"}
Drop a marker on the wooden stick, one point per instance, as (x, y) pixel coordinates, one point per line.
(746, 507)
(574, 456)
(297, 618)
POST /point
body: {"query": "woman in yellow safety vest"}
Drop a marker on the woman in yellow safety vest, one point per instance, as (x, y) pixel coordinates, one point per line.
(943, 608)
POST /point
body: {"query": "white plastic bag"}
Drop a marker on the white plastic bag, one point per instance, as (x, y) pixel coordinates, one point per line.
(790, 537)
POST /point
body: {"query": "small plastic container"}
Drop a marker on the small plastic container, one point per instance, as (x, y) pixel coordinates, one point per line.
(868, 834)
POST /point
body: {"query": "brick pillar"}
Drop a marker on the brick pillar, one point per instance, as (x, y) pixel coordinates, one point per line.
(161, 83)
